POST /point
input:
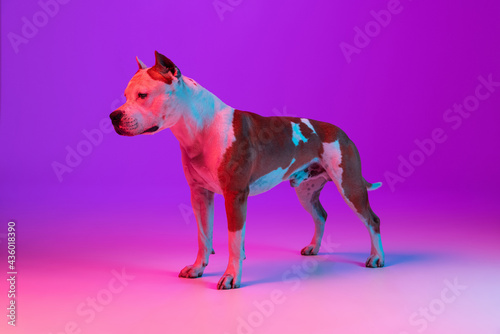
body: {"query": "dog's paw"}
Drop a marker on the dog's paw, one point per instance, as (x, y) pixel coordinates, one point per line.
(310, 250)
(375, 261)
(192, 271)
(228, 281)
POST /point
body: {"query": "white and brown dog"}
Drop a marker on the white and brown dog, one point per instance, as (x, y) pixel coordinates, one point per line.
(237, 154)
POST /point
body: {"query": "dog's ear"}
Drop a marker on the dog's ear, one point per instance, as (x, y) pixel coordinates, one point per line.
(142, 66)
(165, 65)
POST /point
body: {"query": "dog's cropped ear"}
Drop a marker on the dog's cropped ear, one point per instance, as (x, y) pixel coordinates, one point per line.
(165, 65)
(142, 66)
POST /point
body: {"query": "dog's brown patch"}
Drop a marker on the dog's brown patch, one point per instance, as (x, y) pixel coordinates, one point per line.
(353, 183)
(264, 144)
(326, 131)
(156, 73)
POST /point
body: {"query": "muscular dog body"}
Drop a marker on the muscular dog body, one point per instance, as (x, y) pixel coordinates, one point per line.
(239, 154)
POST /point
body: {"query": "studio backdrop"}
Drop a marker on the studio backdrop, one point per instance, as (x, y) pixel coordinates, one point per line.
(414, 84)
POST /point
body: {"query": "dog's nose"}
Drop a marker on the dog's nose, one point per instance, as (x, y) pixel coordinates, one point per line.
(116, 116)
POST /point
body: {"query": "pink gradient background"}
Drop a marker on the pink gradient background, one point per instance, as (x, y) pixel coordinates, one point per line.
(122, 206)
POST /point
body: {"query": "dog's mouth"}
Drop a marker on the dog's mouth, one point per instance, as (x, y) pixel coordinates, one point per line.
(123, 132)
(151, 129)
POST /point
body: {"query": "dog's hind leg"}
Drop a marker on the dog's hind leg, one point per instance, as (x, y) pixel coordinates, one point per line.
(341, 161)
(308, 193)
(202, 201)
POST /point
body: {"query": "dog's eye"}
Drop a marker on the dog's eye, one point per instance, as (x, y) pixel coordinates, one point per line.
(142, 95)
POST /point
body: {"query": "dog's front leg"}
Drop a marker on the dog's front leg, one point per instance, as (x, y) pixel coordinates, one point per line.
(202, 201)
(236, 209)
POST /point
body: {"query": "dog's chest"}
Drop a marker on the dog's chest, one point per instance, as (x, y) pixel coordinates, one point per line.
(203, 167)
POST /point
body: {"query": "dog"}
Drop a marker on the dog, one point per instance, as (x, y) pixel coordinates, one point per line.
(239, 154)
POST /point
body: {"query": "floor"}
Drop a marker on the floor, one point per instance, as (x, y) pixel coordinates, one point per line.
(100, 268)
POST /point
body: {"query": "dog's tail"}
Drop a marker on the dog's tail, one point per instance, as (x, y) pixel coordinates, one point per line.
(372, 186)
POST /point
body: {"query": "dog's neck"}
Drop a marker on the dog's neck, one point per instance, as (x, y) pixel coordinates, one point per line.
(198, 108)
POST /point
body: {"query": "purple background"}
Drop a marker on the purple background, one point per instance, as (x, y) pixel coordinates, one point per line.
(272, 58)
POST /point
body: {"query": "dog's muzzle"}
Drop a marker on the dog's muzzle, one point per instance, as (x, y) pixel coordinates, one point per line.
(126, 125)
(123, 125)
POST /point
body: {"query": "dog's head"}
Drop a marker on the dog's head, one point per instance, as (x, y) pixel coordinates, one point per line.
(152, 99)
